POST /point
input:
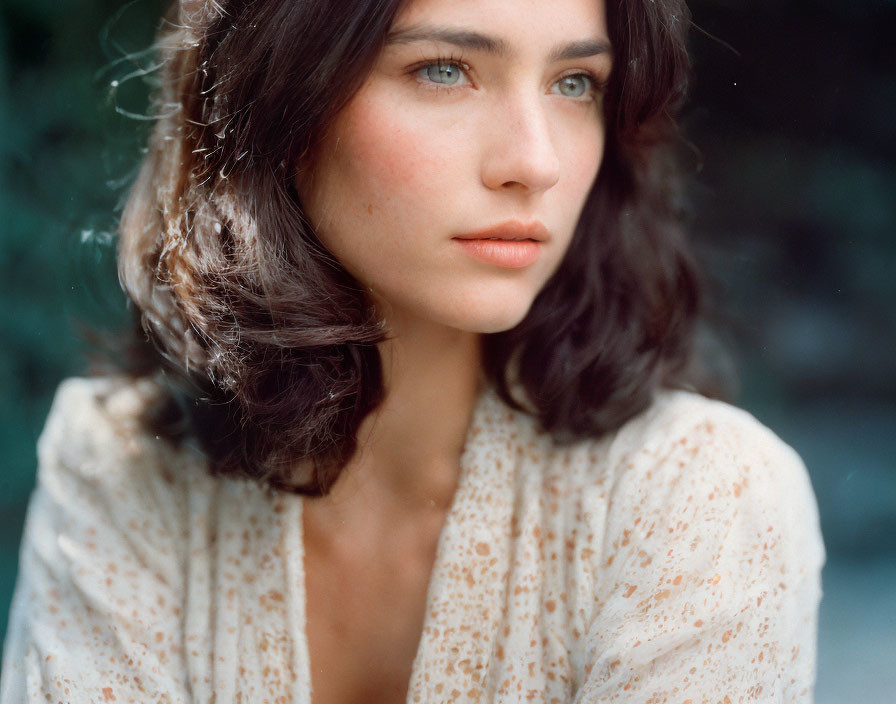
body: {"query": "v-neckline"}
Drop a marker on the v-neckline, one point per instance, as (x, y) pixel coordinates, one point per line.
(297, 577)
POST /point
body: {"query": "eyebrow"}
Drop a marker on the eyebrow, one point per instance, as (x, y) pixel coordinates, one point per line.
(475, 41)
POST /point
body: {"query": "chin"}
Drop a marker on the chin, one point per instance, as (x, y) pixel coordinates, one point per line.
(476, 308)
(489, 318)
(498, 325)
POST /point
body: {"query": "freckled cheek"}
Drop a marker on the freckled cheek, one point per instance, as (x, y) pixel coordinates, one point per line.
(398, 163)
(390, 185)
(390, 157)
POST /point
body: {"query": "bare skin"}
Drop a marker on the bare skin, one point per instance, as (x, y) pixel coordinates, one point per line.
(370, 545)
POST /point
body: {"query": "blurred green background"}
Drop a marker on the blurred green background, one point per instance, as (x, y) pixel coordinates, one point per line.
(793, 206)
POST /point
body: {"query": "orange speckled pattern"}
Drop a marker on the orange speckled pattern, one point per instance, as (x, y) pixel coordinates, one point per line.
(676, 560)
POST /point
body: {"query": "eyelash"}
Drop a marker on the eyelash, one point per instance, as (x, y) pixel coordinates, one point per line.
(440, 61)
(597, 85)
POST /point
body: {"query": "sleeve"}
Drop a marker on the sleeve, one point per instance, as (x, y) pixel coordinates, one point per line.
(710, 573)
(96, 612)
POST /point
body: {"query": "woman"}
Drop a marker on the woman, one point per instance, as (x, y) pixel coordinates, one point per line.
(416, 276)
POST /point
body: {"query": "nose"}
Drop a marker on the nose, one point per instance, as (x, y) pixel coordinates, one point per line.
(520, 153)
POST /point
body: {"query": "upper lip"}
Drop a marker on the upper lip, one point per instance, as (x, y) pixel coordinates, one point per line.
(510, 230)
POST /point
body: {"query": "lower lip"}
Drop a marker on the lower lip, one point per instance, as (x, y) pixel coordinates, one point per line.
(507, 254)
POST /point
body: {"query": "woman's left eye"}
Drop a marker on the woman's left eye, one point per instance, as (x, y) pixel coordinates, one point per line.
(442, 73)
(575, 86)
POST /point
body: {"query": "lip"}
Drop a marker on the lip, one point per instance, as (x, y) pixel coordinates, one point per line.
(510, 230)
(509, 245)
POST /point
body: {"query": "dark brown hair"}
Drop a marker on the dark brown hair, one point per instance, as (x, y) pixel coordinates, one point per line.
(278, 341)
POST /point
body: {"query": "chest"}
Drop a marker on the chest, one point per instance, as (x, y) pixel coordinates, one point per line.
(365, 608)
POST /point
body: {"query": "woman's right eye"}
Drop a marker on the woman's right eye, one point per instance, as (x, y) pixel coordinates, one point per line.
(442, 73)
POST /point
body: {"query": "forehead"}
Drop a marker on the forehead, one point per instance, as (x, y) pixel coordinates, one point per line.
(516, 24)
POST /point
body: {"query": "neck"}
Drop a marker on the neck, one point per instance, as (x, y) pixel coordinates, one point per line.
(409, 447)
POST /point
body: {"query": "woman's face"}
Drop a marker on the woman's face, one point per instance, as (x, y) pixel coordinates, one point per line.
(451, 183)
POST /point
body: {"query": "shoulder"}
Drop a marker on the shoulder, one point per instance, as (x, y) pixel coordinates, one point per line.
(96, 435)
(95, 421)
(683, 445)
(99, 462)
(682, 442)
(684, 438)
(702, 492)
(691, 460)
(713, 465)
(689, 491)
(682, 416)
(709, 548)
(105, 482)
(103, 554)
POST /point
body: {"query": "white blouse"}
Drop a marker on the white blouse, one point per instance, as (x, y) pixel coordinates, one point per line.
(675, 560)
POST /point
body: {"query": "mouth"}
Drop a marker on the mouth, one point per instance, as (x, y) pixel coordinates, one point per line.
(509, 245)
(511, 231)
(502, 239)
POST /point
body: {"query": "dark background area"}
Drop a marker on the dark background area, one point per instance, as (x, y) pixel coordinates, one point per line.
(793, 204)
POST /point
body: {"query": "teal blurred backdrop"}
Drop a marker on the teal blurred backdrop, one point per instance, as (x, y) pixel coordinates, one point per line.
(64, 153)
(792, 202)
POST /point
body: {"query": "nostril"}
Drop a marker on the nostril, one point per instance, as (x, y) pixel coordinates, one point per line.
(521, 155)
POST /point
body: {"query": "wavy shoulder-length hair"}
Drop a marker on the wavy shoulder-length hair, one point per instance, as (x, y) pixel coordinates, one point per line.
(238, 296)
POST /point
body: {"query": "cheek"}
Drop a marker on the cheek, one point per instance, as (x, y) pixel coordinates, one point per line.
(584, 161)
(387, 159)
(380, 184)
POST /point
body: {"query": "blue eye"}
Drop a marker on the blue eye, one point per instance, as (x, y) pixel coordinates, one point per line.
(442, 73)
(575, 86)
